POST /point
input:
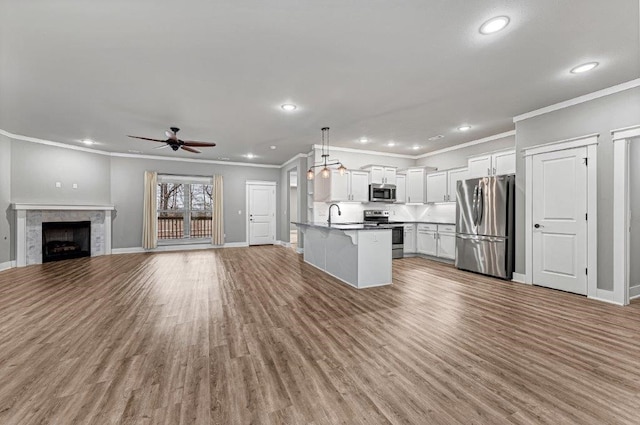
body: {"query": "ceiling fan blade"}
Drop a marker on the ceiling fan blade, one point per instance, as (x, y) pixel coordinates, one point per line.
(187, 148)
(146, 138)
(162, 147)
(171, 135)
(202, 144)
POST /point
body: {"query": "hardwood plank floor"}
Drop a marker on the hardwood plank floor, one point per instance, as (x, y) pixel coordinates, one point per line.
(254, 335)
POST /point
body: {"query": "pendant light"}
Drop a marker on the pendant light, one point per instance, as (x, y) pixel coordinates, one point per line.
(324, 163)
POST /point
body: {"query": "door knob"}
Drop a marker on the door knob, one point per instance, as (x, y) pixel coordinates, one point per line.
(537, 226)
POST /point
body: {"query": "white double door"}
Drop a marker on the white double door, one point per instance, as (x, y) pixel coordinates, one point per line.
(262, 213)
(560, 220)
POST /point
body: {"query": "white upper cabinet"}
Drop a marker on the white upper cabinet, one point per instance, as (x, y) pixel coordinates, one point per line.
(492, 165)
(437, 187)
(352, 186)
(381, 175)
(454, 176)
(401, 188)
(415, 190)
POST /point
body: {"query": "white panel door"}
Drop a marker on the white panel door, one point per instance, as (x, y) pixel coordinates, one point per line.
(415, 186)
(339, 186)
(504, 163)
(262, 214)
(480, 166)
(560, 220)
(452, 181)
(359, 186)
(437, 187)
(401, 189)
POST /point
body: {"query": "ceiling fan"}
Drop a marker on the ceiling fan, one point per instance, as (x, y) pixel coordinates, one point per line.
(174, 143)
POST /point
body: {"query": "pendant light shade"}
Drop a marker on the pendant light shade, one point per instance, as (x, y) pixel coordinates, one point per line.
(325, 172)
(310, 174)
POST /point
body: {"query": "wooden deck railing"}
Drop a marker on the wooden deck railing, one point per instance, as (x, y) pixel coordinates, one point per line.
(173, 227)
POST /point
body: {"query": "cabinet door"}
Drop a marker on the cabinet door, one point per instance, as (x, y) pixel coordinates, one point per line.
(427, 243)
(389, 175)
(415, 186)
(453, 177)
(376, 174)
(339, 186)
(359, 187)
(504, 163)
(447, 246)
(437, 187)
(401, 189)
(480, 166)
(409, 239)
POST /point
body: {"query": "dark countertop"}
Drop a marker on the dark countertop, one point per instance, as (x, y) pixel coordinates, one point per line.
(342, 226)
(423, 222)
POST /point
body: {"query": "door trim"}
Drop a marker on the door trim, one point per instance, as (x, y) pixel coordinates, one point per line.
(621, 140)
(249, 183)
(591, 143)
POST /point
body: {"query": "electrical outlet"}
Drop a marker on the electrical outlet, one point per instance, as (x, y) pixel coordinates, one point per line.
(75, 185)
(239, 212)
(58, 184)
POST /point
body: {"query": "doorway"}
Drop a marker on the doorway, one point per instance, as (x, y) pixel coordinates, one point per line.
(293, 207)
(261, 213)
(561, 216)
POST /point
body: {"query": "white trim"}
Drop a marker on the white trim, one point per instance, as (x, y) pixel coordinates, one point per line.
(468, 144)
(300, 155)
(575, 142)
(634, 292)
(283, 244)
(262, 183)
(129, 155)
(32, 207)
(363, 151)
(300, 250)
(580, 99)
(7, 265)
(172, 248)
(604, 295)
(590, 142)
(626, 133)
(519, 278)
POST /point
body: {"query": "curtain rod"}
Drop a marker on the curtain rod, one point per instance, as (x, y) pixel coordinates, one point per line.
(186, 175)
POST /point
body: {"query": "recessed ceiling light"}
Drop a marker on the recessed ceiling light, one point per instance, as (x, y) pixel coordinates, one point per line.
(415, 147)
(364, 140)
(494, 25)
(250, 156)
(87, 141)
(584, 67)
(438, 137)
(391, 144)
(464, 128)
(289, 107)
(272, 147)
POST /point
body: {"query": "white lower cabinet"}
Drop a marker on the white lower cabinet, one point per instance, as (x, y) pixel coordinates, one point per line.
(409, 239)
(435, 240)
(427, 239)
(447, 245)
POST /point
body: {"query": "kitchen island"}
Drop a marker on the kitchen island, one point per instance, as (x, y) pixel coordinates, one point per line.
(356, 254)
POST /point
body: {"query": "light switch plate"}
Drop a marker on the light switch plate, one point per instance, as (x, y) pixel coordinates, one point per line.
(75, 185)
(58, 184)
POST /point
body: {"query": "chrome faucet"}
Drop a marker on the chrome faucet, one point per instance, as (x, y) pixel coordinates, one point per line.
(339, 212)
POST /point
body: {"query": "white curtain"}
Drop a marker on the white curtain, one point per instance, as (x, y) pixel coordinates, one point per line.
(218, 207)
(150, 211)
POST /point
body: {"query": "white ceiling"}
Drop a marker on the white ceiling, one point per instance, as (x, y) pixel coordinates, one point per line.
(400, 70)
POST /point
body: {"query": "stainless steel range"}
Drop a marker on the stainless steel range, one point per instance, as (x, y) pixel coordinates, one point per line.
(380, 218)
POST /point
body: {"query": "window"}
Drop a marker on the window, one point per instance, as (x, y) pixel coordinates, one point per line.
(184, 208)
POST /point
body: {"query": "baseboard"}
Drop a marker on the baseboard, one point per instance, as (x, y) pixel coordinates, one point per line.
(604, 295)
(7, 265)
(169, 248)
(300, 250)
(283, 243)
(634, 292)
(519, 278)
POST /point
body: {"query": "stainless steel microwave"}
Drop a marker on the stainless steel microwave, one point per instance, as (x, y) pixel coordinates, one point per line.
(382, 193)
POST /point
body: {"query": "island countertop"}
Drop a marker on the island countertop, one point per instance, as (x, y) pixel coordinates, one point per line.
(346, 226)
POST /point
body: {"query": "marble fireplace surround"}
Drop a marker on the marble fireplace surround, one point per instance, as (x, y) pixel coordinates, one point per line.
(29, 219)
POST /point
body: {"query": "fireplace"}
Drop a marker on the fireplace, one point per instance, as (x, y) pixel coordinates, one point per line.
(62, 240)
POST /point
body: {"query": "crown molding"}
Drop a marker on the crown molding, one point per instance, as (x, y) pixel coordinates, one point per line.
(300, 155)
(353, 150)
(580, 99)
(467, 144)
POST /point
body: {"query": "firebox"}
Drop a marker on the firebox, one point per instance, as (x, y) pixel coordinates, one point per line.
(62, 240)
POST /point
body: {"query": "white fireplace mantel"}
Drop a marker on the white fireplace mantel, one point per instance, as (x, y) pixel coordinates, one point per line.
(23, 235)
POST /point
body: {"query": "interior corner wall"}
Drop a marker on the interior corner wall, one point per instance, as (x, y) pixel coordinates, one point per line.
(601, 116)
(458, 158)
(127, 179)
(285, 190)
(7, 221)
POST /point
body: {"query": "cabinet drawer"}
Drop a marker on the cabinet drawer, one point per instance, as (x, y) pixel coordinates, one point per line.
(427, 227)
(408, 227)
(446, 228)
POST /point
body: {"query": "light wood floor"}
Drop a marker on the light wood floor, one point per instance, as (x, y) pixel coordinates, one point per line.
(253, 335)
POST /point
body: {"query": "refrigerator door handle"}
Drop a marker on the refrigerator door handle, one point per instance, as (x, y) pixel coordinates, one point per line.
(480, 208)
(475, 205)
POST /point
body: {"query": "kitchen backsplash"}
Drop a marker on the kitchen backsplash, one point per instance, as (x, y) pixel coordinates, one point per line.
(352, 212)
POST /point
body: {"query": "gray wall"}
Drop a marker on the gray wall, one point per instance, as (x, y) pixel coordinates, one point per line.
(35, 168)
(634, 204)
(597, 116)
(293, 205)
(458, 158)
(127, 175)
(285, 213)
(6, 213)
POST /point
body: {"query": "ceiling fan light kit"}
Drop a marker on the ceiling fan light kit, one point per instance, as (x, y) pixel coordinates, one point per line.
(174, 143)
(324, 163)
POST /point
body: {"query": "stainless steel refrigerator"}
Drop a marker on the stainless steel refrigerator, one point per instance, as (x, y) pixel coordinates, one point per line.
(485, 213)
